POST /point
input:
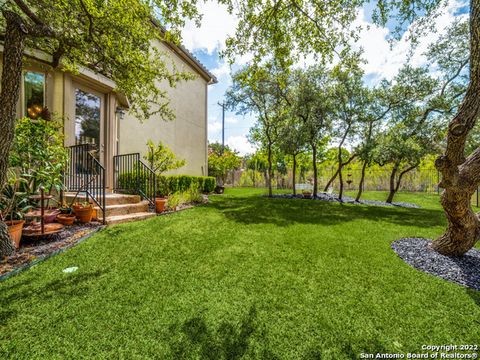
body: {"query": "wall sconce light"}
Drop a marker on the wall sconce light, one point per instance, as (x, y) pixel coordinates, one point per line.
(120, 112)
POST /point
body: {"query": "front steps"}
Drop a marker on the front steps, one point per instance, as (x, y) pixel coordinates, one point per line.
(119, 208)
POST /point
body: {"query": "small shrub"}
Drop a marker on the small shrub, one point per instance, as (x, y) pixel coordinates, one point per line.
(193, 194)
(166, 185)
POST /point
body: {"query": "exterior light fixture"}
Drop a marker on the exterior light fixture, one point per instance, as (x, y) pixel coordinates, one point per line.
(120, 112)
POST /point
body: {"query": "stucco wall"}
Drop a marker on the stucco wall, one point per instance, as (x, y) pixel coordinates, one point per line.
(186, 135)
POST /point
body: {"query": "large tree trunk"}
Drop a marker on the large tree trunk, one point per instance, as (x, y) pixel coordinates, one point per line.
(14, 44)
(362, 181)
(460, 176)
(315, 173)
(294, 173)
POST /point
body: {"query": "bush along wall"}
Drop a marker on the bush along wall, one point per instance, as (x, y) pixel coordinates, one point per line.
(166, 184)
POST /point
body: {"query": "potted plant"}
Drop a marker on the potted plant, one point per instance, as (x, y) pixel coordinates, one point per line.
(83, 212)
(160, 203)
(66, 219)
(307, 193)
(13, 205)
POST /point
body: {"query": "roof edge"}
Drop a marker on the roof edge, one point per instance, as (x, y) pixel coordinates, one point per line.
(184, 53)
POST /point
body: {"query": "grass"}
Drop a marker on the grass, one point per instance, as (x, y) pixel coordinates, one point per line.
(243, 277)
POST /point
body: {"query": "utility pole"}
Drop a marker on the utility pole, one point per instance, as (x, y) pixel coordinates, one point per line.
(223, 125)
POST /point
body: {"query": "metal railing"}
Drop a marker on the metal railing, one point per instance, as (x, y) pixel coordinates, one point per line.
(85, 174)
(132, 176)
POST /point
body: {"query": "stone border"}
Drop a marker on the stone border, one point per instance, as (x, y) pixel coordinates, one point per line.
(347, 200)
(41, 259)
(463, 270)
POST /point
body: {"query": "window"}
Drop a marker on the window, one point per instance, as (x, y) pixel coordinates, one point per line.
(34, 90)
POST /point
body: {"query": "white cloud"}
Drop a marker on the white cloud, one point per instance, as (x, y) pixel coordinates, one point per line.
(216, 25)
(231, 120)
(214, 127)
(221, 71)
(240, 143)
(384, 61)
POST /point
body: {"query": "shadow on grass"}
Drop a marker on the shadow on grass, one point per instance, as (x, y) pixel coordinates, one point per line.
(68, 286)
(193, 338)
(284, 212)
(248, 338)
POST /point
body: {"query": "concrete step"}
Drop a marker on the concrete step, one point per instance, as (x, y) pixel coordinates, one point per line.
(110, 198)
(123, 209)
(117, 219)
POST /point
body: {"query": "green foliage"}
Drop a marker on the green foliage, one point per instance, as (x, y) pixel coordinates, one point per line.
(38, 154)
(113, 38)
(13, 203)
(193, 195)
(220, 163)
(161, 158)
(174, 200)
(169, 184)
(289, 30)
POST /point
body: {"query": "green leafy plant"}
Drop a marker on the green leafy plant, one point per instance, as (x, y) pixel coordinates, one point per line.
(169, 184)
(173, 201)
(193, 194)
(161, 158)
(13, 203)
(221, 162)
(39, 155)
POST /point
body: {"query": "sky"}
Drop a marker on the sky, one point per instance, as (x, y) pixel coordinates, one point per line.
(383, 61)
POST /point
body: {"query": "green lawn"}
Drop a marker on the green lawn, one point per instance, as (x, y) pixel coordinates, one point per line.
(244, 276)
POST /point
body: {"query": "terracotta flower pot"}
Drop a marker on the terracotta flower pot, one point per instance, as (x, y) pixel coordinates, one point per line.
(160, 205)
(15, 228)
(66, 219)
(84, 214)
(50, 215)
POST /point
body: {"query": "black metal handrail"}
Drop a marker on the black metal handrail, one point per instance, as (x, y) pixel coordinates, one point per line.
(132, 176)
(85, 174)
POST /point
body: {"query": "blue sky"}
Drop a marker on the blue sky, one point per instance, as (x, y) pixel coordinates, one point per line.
(383, 61)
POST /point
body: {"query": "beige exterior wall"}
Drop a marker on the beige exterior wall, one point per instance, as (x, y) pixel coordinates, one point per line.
(186, 136)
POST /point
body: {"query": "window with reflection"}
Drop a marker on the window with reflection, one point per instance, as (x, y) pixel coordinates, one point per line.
(34, 90)
(87, 117)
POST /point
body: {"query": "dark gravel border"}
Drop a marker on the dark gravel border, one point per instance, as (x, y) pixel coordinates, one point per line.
(464, 270)
(347, 199)
(35, 253)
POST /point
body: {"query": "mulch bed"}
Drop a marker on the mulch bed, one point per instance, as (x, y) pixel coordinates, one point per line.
(34, 249)
(464, 270)
(347, 200)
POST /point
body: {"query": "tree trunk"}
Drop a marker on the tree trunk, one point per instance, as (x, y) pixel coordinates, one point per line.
(294, 172)
(392, 183)
(461, 176)
(270, 172)
(362, 180)
(340, 181)
(14, 44)
(334, 176)
(463, 228)
(315, 174)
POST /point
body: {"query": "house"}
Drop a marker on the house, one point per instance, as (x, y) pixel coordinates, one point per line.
(97, 116)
